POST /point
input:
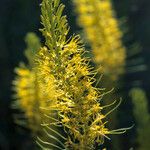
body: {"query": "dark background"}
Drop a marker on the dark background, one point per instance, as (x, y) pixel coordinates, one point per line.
(17, 17)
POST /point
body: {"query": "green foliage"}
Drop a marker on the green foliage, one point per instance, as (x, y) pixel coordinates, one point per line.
(142, 117)
(33, 45)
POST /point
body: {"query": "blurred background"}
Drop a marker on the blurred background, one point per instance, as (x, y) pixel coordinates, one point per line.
(17, 17)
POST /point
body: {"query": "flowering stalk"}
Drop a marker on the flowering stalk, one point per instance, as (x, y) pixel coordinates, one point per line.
(101, 29)
(25, 85)
(142, 117)
(78, 102)
(30, 94)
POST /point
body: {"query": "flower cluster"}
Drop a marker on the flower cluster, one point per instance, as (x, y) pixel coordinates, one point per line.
(30, 93)
(78, 102)
(58, 84)
(102, 31)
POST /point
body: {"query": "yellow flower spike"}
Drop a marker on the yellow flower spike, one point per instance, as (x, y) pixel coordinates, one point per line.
(101, 29)
(73, 78)
(30, 92)
(25, 88)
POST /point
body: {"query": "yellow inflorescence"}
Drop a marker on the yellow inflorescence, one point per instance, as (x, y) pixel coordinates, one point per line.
(77, 103)
(101, 29)
(26, 95)
(30, 92)
(77, 98)
(31, 95)
(59, 85)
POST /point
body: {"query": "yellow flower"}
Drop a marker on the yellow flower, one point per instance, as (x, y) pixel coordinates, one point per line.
(31, 96)
(77, 104)
(26, 94)
(102, 32)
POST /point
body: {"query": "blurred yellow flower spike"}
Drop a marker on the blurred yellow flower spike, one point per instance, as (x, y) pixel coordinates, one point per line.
(30, 92)
(101, 29)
